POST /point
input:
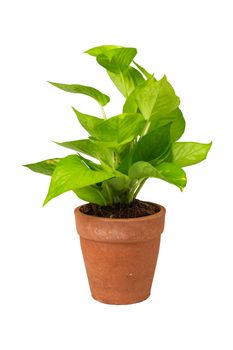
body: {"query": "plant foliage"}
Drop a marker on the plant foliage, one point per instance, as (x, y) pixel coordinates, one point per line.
(126, 149)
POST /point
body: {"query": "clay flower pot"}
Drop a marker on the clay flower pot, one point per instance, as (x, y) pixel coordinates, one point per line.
(120, 255)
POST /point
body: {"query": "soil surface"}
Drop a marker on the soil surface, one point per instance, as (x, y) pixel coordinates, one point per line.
(135, 209)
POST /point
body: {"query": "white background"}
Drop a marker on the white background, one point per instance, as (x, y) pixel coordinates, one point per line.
(44, 296)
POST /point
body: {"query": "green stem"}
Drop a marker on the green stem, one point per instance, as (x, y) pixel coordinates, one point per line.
(139, 188)
(116, 159)
(109, 194)
(132, 190)
(146, 128)
(103, 112)
(135, 189)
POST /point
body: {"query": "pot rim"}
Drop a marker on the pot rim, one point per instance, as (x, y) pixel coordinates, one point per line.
(162, 212)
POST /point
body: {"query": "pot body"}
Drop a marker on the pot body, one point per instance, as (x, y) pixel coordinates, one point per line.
(120, 255)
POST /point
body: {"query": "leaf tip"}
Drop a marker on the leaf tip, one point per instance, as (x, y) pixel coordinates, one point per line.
(75, 111)
(26, 166)
(47, 199)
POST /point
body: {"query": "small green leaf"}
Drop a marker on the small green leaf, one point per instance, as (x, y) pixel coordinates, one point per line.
(85, 90)
(167, 100)
(88, 121)
(175, 118)
(144, 98)
(172, 173)
(169, 172)
(152, 98)
(45, 167)
(72, 173)
(189, 153)
(98, 50)
(152, 145)
(117, 60)
(91, 194)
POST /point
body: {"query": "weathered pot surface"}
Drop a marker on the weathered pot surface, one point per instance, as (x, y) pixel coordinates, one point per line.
(120, 255)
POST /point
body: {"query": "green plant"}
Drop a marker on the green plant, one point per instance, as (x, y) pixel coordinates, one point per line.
(130, 147)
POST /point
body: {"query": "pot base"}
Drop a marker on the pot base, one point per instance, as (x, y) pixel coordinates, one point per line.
(105, 301)
(120, 273)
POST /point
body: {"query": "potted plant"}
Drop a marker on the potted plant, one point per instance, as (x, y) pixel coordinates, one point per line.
(120, 235)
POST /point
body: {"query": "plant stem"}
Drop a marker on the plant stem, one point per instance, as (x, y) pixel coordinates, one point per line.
(109, 194)
(103, 112)
(116, 159)
(135, 189)
(146, 128)
(139, 187)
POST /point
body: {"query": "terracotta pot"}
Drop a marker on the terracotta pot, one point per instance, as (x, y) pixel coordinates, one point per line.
(120, 255)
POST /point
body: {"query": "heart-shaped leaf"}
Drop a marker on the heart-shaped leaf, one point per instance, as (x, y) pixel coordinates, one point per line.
(117, 60)
(189, 153)
(175, 118)
(72, 173)
(169, 172)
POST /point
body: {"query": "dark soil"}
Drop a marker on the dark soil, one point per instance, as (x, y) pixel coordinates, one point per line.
(135, 209)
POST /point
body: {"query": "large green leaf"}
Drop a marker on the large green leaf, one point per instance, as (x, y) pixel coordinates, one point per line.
(117, 60)
(98, 50)
(152, 98)
(175, 118)
(90, 148)
(85, 90)
(72, 173)
(45, 167)
(88, 121)
(189, 153)
(91, 194)
(152, 145)
(126, 81)
(169, 172)
(120, 129)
